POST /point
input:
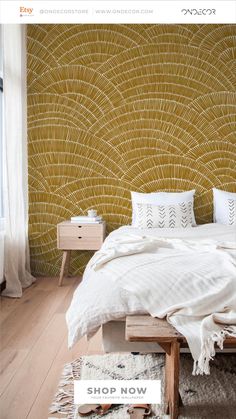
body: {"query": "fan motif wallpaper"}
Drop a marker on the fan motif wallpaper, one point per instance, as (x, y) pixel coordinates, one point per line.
(115, 108)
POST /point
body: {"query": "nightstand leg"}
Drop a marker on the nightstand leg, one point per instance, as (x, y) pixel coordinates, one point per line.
(67, 267)
(64, 266)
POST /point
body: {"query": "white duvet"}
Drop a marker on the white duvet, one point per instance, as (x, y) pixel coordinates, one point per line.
(187, 274)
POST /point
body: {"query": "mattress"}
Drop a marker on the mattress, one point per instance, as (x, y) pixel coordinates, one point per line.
(113, 339)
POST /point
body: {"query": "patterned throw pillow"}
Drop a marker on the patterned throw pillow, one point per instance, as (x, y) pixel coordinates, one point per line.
(160, 198)
(165, 216)
(232, 212)
(224, 207)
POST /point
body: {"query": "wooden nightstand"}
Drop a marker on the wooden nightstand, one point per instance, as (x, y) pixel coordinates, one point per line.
(75, 236)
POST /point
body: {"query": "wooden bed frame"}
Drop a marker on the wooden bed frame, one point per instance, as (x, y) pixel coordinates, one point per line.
(150, 329)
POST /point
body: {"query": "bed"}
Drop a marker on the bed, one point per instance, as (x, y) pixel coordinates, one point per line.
(98, 301)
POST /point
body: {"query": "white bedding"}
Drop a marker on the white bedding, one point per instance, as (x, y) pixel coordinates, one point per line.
(98, 299)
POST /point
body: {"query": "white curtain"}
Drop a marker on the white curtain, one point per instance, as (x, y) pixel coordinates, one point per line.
(16, 258)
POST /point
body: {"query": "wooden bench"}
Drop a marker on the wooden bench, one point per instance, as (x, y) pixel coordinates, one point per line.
(150, 329)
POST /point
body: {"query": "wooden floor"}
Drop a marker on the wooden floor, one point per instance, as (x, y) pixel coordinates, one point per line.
(34, 348)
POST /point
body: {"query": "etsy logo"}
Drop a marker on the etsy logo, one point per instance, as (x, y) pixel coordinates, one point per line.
(26, 11)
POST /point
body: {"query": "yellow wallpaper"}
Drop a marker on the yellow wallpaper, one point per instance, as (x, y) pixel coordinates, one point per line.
(114, 108)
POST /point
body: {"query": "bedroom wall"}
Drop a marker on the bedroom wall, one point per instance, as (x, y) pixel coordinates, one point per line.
(114, 108)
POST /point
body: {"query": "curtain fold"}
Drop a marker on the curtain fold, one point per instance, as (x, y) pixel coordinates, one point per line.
(16, 258)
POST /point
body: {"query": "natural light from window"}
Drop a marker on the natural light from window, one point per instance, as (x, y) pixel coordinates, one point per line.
(1, 125)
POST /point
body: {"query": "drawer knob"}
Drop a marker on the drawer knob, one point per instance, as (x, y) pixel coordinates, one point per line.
(79, 237)
(79, 226)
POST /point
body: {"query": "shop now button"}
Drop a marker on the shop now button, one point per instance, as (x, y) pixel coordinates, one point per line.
(117, 391)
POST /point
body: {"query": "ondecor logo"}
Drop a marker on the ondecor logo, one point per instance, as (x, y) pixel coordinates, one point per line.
(26, 11)
(199, 12)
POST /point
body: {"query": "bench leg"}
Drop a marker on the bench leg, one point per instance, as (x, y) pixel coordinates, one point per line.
(172, 396)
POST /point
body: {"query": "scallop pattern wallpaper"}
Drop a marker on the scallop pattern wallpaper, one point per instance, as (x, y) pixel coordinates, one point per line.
(115, 108)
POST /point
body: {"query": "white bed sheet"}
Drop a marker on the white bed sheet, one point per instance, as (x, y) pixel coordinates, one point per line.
(96, 301)
(214, 231)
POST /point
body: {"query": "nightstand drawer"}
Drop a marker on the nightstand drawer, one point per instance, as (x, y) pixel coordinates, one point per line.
(76, 236)
(80, 230)
(80, 242)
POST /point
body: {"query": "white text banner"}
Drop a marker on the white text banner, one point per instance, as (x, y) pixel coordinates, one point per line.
(118, 11)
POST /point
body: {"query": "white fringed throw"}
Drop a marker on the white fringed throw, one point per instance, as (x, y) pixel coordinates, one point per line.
(193, 283)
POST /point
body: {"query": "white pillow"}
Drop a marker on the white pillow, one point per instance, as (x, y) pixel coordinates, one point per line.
(160, 198)
(165, 216)
(224, 207)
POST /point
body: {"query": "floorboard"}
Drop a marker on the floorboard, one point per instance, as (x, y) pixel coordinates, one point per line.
(34, 348)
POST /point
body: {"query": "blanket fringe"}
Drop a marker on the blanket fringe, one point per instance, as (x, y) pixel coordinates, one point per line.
(202, 365)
